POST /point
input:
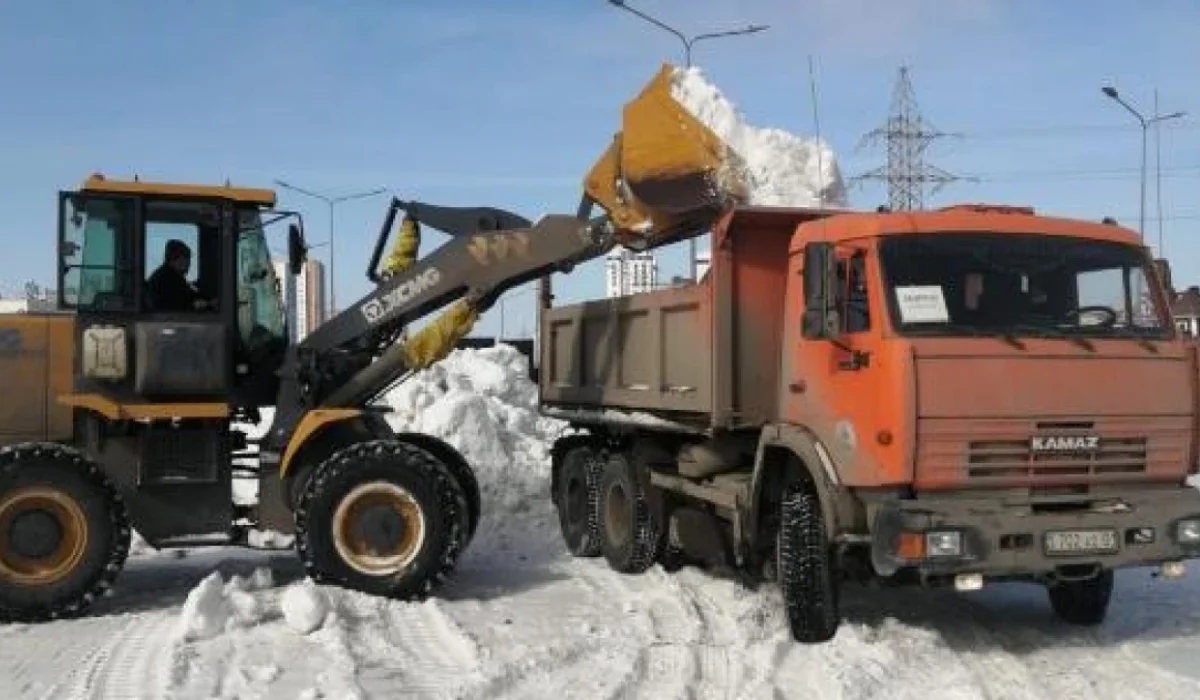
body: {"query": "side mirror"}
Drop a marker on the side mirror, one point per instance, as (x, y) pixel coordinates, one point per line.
(297, 251)
(821, 320)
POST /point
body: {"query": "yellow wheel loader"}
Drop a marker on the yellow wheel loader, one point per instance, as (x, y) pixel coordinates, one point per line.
(126, 407)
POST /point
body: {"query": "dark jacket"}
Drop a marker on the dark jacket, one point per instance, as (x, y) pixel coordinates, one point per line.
(170, 291)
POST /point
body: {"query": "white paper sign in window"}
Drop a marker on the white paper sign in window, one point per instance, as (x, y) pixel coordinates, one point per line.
(922, 304)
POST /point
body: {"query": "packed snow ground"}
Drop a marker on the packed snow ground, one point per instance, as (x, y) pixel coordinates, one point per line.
(522, 619)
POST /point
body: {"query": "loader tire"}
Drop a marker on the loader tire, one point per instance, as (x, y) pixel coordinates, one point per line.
(805, 568)
(631, 536)
(1082, 602)
(64, 532)
(577, 498)
(383, 517)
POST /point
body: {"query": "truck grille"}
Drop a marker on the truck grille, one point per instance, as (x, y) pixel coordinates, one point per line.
(1009, 459)
(953, 453)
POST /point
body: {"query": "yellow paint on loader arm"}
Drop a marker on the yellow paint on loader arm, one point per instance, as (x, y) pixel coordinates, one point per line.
(435, 341)
(404, 253)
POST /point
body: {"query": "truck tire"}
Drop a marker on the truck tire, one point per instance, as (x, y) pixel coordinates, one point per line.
(384, 517)
(1082, 602)
(578, 500)
(806, 568)
(64, 532)
(631, 534)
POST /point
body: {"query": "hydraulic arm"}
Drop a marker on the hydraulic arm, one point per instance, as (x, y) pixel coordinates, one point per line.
(355, 356)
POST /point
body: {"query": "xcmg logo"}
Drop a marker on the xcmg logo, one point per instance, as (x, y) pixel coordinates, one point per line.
(376, 310)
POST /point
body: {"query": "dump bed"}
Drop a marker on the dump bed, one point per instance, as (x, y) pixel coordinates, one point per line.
(704, 355)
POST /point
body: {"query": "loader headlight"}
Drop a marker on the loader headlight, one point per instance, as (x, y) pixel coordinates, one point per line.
(1187, 531)
(946, 543)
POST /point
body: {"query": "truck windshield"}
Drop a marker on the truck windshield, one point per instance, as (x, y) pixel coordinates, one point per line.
(964, 284)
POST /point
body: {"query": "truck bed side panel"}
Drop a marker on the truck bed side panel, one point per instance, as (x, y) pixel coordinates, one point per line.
(650, 352)
(710, 350)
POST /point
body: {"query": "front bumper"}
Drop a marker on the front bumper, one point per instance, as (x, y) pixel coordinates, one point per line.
(1002, 540)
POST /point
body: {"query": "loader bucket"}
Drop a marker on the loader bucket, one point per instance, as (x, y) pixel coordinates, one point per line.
(665, 171)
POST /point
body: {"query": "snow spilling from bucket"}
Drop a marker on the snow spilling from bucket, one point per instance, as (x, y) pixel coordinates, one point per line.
(781, 169)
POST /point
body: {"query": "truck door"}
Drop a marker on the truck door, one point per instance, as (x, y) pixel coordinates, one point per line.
(835, 387)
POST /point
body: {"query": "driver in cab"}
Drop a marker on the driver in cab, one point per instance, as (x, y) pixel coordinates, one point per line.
(168, 287)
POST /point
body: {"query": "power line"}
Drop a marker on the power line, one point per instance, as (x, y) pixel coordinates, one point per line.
(1056, 130)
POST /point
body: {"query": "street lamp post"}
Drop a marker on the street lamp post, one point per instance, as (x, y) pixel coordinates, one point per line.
(1145, 123)
(331, 201)
(687, 56)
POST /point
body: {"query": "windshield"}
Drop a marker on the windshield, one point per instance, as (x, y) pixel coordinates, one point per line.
(1017, 284)
(260, 306)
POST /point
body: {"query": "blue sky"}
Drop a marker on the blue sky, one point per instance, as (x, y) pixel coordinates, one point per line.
(507, 104)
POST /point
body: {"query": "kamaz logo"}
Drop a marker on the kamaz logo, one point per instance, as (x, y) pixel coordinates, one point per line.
(376, 310)
(1065, 443)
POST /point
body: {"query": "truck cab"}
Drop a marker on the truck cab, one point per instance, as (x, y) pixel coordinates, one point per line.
(946, 397)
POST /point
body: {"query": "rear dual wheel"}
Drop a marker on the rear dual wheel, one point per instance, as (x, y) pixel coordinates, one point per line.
(384, 517)
(64, 532)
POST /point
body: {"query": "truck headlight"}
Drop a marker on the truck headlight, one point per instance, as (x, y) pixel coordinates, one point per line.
(1187, 531)
(948, 543)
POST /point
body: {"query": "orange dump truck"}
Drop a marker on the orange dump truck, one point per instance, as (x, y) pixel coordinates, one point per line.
(947, 397)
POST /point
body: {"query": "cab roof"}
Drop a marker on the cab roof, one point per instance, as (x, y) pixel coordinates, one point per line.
(245, 195)
(961, 218)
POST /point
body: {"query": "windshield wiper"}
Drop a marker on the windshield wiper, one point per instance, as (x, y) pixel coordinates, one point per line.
(1056, 333)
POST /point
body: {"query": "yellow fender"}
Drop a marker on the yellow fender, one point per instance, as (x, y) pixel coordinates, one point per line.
(310, 425)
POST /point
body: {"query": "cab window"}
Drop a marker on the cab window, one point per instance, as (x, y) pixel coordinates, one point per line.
(852, 293)
(96, 258)
(182, 258)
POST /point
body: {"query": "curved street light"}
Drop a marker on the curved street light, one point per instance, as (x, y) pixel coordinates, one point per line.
(331, 201)
(1112, 93)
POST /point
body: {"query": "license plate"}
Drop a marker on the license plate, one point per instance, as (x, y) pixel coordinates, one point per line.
(1081, 541)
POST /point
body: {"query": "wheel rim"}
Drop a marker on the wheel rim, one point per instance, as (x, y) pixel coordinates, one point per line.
(378, 528)
(43, 536)
(616, 514)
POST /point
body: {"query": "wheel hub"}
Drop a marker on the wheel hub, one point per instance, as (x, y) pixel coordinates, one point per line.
(381, 528)
(34, 534)
(43, 536)
(378, 528)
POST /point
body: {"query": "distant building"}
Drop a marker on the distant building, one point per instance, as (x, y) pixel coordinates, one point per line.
(703, 262)
(629, 272)
(303, 297)
(24, 306)
(1185, 307)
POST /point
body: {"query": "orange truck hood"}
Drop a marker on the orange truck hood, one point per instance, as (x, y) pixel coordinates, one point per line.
(980, 405)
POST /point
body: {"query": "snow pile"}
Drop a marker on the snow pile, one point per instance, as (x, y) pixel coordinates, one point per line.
(483, 403)
(214, 606)
(781, 169)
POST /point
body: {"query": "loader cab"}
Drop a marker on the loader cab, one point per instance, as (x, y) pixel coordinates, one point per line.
(176, 295)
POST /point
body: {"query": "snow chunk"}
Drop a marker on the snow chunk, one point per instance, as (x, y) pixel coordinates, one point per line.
(304, 607)
(205, 611)
(782, 169)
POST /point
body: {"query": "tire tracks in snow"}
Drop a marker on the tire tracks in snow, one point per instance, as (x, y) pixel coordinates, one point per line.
(417, 646)
(688, 642)
(131, 665)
